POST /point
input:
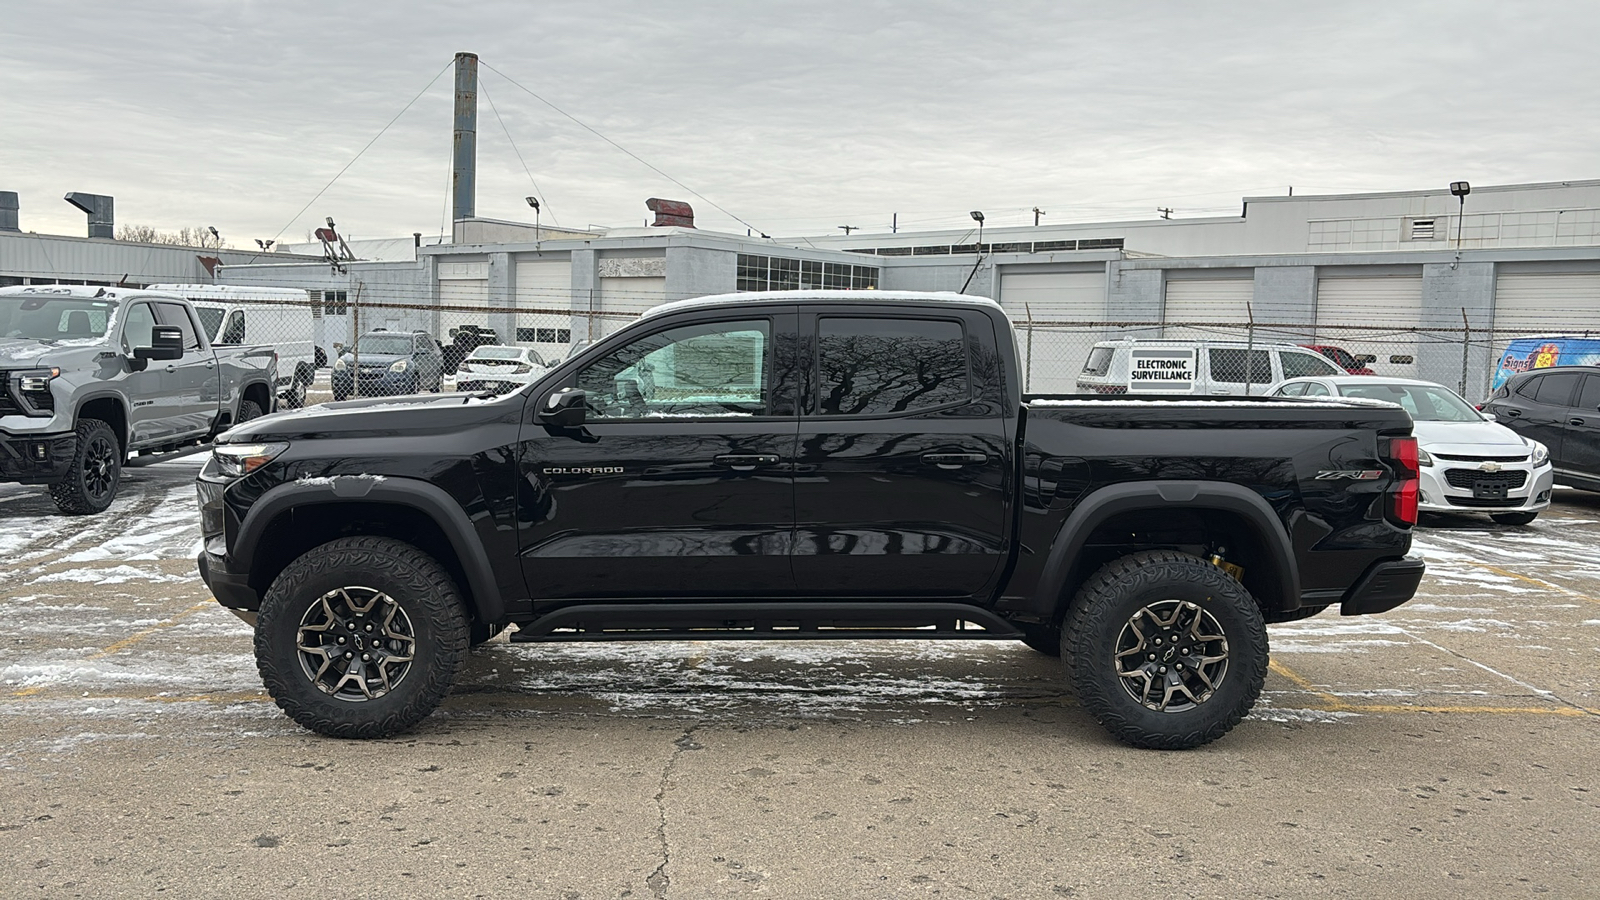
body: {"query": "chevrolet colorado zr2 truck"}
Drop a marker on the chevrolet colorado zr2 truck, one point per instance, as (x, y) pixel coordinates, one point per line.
(806, 465)
(91, 374)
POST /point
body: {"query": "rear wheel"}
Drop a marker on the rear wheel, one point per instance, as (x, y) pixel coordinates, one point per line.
(91, 483)
(249, 409)
(361, 637)
(1516, 518)
(1167, 651)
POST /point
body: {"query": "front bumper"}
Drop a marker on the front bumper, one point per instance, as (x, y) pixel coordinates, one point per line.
(230, 588)
(388, 384)
(36, 458)
(1383, 586)
(1478, 491)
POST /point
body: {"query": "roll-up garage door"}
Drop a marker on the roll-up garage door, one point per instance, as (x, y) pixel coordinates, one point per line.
(1533, 305)
(1373, 316)
(470, 293)
(544, 285)
(1058, 296)
(1212, 309)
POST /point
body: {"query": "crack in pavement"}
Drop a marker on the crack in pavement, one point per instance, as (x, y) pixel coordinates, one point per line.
(659, 880)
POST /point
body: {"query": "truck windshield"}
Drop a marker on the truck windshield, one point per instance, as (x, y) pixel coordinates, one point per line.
(1425, 403)
(52, 319)
(396, 344)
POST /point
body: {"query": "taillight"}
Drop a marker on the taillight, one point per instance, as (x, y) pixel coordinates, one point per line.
(1403, 494)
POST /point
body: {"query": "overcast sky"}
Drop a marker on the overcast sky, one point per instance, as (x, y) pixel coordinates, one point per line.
(795, 117)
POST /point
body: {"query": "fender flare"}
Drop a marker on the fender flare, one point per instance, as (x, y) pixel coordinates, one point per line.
(428, 499)
(1100, 506)
(122, 401)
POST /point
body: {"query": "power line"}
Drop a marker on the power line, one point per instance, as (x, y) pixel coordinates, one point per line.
(536, 189)
(630, 153)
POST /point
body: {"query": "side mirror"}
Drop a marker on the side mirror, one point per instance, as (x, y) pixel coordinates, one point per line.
(565, 408)
(166, 342)
(1490, 417)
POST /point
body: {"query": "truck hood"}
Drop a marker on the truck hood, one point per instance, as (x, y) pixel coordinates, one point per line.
(391, 417)
(17, 353)
(1468, 438)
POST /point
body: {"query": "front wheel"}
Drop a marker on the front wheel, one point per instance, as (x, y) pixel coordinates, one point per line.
(1167, 651)
(91, 482)
(361, 637)
(1515, 518)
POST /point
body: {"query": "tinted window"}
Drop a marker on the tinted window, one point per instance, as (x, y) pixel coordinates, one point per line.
(173, 314)
(234, 333)
(883, 366)
(1530, 388)
(1099, 361)
(1556, 390)
(717, 369)
(1302, 365)
(1590, 398)
(136, 331)
(1227, 365)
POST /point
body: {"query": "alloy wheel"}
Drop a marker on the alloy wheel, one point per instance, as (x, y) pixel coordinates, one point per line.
(355, 643)
(1171, 656)
(99, 467)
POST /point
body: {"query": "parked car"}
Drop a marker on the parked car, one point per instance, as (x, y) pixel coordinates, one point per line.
(463, 340)
(386, 363)
(90, 374)
(1344, 359)
(233, 316)
(692, 477)
(1528, 354)
(1559, 407)
(1469, 463)
(495, 367)
(1138, 365)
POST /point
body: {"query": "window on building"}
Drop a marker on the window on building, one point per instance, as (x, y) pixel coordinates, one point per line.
(544, 335)
(886, 366)
(771, 273)
(1228, 365)
(336, 303)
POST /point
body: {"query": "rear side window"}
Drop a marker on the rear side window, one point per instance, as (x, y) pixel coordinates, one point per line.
(1530, 388)
(1228, 365)
(173, 314)
(1304, 365)
(1590, 398)
(1314, 389)
(1556, 390)
(873, 367)
(1292, 390)
(1099, 361)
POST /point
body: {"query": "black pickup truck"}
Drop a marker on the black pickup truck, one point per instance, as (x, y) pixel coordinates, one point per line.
(804, 465)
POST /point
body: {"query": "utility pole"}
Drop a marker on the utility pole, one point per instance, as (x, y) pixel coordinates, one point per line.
(1166, 211)
(1037, 212)
(849, 228)
(464, 176)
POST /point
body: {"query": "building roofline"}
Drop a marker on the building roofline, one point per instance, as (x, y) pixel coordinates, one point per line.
(1432, 192)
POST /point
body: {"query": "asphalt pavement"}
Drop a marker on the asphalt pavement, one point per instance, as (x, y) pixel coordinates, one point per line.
(1446, 749)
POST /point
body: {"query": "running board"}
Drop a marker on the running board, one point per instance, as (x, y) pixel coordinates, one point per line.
(667, 621)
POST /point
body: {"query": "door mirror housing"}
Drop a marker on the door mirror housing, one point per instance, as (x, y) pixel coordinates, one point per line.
(1490, 417)
(565, 408)
(166, 342)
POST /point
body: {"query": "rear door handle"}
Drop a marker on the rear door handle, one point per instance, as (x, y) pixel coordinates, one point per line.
(1574, 421)
(955, 460)
(746, 462)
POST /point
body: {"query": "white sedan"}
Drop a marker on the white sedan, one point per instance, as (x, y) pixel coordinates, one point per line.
(495, 367)
(1469, 463)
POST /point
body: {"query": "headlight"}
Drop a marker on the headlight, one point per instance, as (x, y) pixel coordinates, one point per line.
(338, 365)
(1423, 459)
(522, 369)
(238, 460)
(400, 365)
(37, 381)
(1541, 453)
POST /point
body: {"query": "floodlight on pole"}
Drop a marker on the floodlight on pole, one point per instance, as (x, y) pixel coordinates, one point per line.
(1460, 189)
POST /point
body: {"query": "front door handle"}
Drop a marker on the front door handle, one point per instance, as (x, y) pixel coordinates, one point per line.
(1574, 421)
(172, 368)
(746, 462)
(955, 460)
(1513, 413)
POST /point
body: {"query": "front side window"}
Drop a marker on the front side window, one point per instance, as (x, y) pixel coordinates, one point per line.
(1228, 365)
(886, 366)
(234, 333)
(141, 323)
(1304, 365)
(716, 370)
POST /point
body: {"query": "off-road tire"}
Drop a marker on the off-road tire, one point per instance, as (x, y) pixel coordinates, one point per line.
(91, 482)
(1514, 518)
(248, 409)
(480, 633)
(1276, 617)
(418, 585)
(1044, 638)
(1107, 604)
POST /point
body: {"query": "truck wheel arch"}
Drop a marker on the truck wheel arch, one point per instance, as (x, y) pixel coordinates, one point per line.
(108, 407)
(470, 562)
(1063, 569)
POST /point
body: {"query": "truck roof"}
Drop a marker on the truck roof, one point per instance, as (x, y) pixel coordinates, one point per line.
(776, 298)
(83, 292)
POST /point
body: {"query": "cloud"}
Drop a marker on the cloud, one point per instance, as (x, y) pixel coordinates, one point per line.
(796, 118)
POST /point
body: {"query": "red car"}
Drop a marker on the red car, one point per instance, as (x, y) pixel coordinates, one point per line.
(1342, 358)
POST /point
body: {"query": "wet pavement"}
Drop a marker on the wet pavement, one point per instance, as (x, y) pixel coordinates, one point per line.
(1444, 749)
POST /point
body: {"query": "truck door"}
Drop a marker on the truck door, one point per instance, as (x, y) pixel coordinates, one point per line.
(901, 473)
(194, 383)
(680, 483)
(150, 405)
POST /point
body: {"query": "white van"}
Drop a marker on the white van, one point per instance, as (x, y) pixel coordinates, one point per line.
(259, 315)
(1142, 366)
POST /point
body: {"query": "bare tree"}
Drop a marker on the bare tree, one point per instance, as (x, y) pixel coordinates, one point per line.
(198, 236)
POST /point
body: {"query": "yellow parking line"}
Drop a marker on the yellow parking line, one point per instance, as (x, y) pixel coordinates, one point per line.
(1304, 683)
(1536, 581)
(138, 636)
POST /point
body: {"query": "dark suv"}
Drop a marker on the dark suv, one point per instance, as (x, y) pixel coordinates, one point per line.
(1560, 407)
(384, 363)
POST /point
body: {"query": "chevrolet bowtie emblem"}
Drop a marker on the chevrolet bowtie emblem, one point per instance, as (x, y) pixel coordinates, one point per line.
(1489, 467)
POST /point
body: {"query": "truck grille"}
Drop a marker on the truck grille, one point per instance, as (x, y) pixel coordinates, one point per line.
(1473, 459)
(1474, 480)
(8, 406)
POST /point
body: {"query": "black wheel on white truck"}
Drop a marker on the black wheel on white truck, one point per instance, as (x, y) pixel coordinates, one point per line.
(1165, 650)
